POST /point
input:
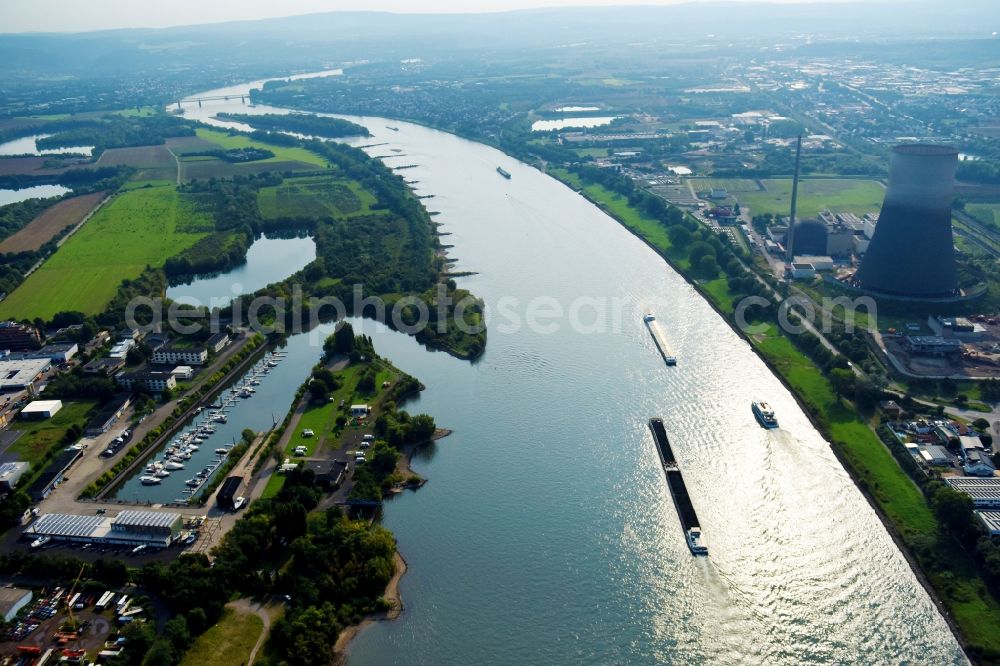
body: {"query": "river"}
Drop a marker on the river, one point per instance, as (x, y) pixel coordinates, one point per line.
(546, 533)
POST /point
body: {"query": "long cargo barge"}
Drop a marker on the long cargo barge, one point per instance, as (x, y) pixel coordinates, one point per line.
(678, 491)
(660, 339)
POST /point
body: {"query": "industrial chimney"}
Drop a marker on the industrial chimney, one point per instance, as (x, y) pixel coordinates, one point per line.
(912, 253)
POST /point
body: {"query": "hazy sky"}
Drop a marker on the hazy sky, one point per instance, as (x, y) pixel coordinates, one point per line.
(83, 15)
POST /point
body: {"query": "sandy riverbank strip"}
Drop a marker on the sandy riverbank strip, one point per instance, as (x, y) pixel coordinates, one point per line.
(391, 593)
(396, 608)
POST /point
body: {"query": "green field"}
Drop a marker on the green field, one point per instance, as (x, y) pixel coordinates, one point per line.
(227, 643)
(314, 196)
(731, 185)
(985, 213)
(840, 195)
(138, 228)
(37, 437)
(281, 153)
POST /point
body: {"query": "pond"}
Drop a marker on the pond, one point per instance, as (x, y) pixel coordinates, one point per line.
(269, 260)
(27, 145)
(34, 192)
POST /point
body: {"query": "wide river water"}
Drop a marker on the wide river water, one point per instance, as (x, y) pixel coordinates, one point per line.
(546, 533)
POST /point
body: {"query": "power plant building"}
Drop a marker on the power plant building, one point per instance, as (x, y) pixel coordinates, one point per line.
(912, 252)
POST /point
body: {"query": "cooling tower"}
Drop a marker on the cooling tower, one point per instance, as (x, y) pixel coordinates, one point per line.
(912, 253)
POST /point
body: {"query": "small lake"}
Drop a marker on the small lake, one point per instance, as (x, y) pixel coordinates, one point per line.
(34, 192)
(28, 145)
(563, 123)
(269, 260)
(577, 109)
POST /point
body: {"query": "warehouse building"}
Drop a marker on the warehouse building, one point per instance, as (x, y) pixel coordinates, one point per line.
(991, 521)
(12, 600)
(101, 422)
(985, 492)
(16, 375)
(151, 528)
(53, 475)
(41, 409)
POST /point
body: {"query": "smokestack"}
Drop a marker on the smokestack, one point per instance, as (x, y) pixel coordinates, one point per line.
(912, 253)
(790, 234)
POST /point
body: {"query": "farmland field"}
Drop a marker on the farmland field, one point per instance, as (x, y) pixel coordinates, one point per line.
(152, 162)
(190, 144)
(197, 168)
(50, 222)
(840, 195)
(314, 196)
(138, 228)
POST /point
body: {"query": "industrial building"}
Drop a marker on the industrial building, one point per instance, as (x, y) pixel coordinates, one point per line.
(912, 252)
(16, 375)
(985, 492)
(991, 521)
(956, 327)
(152, 528)
(105, 366)
(12, 600)
(932, 454)
(41, 409)
(931, 345)
(58, 353)
(101, 422)
(53, 475)
(11, 473)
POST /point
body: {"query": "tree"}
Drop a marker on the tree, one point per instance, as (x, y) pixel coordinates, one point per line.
(842, 381)
(700, 249)
(679, 236)
(342, 340)
(708, 266)
(318, 392)
(954, 510)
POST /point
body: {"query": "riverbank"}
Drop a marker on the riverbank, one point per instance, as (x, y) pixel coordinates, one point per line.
(403, 467)
(393, 599)
(961, 596)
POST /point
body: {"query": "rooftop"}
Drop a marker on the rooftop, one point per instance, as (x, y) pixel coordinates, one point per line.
(146, 519)
(977, 488)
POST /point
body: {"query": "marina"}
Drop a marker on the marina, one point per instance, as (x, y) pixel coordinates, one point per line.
(678, 491)
(191, 458)
(660, 339)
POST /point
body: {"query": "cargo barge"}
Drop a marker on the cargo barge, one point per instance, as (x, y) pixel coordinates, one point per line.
(503, 172)
(678, 491)
(660, 339)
